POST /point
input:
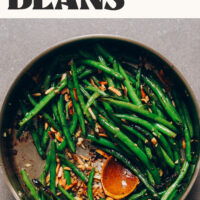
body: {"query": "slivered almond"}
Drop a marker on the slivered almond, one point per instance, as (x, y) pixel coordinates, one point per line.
(60, 172)
(65, 91)
(183, 143)
(92, 82)
(47, 179)
(67, 97)
(115, 91)
(103, 82)
(75, 94)
(37, 94)
(154, 141)
(102, 87)
(82, 167)
(99, 151)
(84, 157)
(58, 137)
(92, 114)
(78, 159)
(57, 168)
(67, 168)
(125, 92)
(63, 76)
(46, 125)
(68, 187)
(103, 135)
(49, 90)
(53, 130)
(80, 141)
(58, 193)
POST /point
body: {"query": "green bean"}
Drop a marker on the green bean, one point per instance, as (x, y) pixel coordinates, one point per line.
(91, 100)
(77, 107)
(43, 102)
(45, 115)
(103, 141)
(24, 111)
(135, 170)
(67, 175)
(165, 130)
(104, 68)
(149, 127)
(168, 160)
(138, 83)
(29, 185)
(80, 174)
(136, 196)
(66, 194)
(174, 185)
(53, 168)
(185, 128)
(89, 185)
(45, 139)
(135, 132)
(55, 113)
(80, 96)
(97, 90)
(73, 124)
(81, 69)
(104, 53)
(188, 120)
(67, 110)
(85, 73)
(173, 194)
(108, 78)
(163, 100)
(132, 146)
(85, 54)
(66, 130)
(140, 111)
(148, 152)
(150, 177)
(45, 168)
(36, 140)
(131, 91)
(156, 110)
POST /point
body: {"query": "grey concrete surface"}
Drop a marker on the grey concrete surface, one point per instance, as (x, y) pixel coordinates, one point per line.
(176, 39)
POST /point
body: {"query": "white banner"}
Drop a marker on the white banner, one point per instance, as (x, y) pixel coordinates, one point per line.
(99, 8)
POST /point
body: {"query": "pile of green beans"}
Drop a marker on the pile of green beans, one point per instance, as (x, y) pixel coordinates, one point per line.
(149, 129)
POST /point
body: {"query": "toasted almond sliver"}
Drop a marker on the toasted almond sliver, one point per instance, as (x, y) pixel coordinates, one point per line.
(49, 90)
(71, 185)
(115, 91)
(53, 130)
(99, 151)
(46, 125)
(92, 114)
(58, 193)
(47, 178)
(92, 82)
(60, 172)
(78, 133)
(103, 135)
(78, 159)
(84, 157)
(80, 141)
(63, 76)
(67, 97)
(37, 94)
(65, 91)
(67, 168)
(58, 137)
(57, 168)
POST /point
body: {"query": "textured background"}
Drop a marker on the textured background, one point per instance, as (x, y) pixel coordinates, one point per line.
(21, 40)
